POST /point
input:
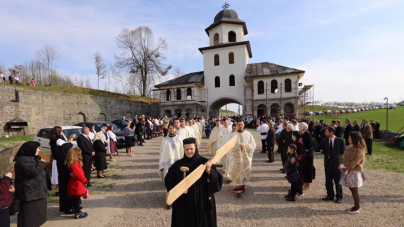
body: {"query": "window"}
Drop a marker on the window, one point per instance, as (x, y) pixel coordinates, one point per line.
(274, 86)
(231, 58)
(288, 85)
(216, 39)
(232, 81)
(232, 36)
(189, 93)
(178, 94)
(217, 81)
(261, 87)
(44, 133)
(168, 95)
(217, 60)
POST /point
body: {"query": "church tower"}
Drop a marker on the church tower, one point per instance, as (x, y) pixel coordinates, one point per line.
(225, 60)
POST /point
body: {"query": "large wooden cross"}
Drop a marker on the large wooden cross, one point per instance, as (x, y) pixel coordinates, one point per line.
(226, 5)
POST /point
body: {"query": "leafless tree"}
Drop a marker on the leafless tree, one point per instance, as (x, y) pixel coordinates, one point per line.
(48, 56)
(118, 76)
(141, 56)
(178, 72)
(100, 68)
(87, 83)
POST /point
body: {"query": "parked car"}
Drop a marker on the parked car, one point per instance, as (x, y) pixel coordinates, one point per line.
(354, 111)
(328, 112)
(349, 111)
(336, 112)
(343, 111)
(43, 136)
(319, 113)
(120, 136)
(120, 123)
(392, 107)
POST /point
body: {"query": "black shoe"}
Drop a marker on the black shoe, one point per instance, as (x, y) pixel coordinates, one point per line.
(168, 207)
(263, 152)
(80, 215)
(283, 171)
(69, 212)
(268, 161)
(141, 145)
(100, 176)
(338, 201)
(327, 198)
(290, 199)
(89, 184)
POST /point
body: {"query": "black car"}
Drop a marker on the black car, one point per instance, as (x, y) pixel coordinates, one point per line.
(120, 136)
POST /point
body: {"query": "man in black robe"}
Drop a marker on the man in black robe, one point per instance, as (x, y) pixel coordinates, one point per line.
(196, 207)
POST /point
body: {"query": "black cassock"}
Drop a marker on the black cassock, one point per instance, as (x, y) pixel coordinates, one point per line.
(197, 208)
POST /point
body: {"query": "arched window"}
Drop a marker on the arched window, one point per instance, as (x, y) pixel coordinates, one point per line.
(189, 93)
(178, 94)
(231, 58)
(217, 60)
(261, 88)
(232, 81)
(288, 85)
(216, 39)
(274, 86)
(168, 95)
(232, 36)
(217, 81)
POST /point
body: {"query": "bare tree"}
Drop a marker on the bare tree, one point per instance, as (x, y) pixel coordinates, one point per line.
(87, 83)
(178, 72)
(48, 56)
(141, 56)
(100, 67)
(118, 76)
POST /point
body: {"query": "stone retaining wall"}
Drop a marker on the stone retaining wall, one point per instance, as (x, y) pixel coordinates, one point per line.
(47, 109)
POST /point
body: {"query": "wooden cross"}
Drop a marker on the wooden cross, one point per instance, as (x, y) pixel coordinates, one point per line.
(226, 5)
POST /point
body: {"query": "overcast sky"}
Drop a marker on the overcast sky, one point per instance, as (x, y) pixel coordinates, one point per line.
(350, 50)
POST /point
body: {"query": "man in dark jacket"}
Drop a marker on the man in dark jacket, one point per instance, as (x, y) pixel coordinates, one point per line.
(333, 149)
(140, 129)
(285, 138)
(270, 141)
(347, 131)
(356, 127)
(87, 151)
(338, 129)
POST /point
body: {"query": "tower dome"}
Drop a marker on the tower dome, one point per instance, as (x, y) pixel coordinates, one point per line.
(227, 15)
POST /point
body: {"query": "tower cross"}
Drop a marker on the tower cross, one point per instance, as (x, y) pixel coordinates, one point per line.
(226, 5)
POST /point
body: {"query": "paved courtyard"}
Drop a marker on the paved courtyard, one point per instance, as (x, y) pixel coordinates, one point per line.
(133, 195)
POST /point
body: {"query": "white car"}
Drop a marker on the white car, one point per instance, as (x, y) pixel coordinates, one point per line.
(43, 136)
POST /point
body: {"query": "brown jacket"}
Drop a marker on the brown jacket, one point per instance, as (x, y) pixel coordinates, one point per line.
(353, 158)
(367, 132)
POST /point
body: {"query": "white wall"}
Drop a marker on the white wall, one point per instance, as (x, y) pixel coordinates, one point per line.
(267, 80)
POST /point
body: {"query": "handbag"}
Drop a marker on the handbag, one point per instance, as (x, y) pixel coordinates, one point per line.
(87, 195)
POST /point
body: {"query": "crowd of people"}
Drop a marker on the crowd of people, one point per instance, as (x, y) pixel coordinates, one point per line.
(297, 140)
(14, 79)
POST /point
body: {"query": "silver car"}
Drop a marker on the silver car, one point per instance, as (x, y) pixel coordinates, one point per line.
(43, 136)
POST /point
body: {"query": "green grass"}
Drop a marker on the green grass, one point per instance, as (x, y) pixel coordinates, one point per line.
(51, 195)
(14, 140)
(385, 158)
(396, 117)
(88, 91)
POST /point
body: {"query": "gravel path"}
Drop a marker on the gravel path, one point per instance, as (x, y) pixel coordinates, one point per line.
(133, 195)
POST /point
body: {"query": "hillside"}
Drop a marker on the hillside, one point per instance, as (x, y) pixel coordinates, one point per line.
(88, 91)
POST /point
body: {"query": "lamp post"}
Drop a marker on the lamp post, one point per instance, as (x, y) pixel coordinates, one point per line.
(387, 114)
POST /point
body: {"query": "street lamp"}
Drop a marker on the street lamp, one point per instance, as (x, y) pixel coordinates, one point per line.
(387, 114)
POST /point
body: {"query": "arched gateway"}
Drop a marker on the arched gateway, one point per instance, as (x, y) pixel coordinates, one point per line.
(228, 77)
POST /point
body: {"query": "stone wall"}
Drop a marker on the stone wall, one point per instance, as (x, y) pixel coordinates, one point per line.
(47, 109)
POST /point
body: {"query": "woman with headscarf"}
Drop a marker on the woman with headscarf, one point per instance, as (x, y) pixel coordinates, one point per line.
(112, 148)
(64, 174)
(100, 155)
(196, 207)
(30, 185)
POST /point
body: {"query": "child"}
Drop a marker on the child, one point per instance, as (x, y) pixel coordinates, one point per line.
(76, 186)
(291, 172)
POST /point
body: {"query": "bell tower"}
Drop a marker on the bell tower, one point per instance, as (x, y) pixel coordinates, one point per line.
(225, 59)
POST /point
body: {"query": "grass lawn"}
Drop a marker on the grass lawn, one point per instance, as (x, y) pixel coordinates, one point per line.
(14, 140)
(385, 158)
(88, 91)
(396, 117)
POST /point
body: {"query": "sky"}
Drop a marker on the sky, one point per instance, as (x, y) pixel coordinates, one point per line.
(350, 50)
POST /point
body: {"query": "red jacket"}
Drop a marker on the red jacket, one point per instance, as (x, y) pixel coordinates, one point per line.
(76, 187)
(5, 195)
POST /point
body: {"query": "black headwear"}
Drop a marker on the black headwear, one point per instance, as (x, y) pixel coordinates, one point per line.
(196, 155)
(27, 149)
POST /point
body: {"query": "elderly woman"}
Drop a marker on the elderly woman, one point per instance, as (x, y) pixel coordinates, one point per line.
(352, 168)
(100, 155)
(309, 170)
(30, 185)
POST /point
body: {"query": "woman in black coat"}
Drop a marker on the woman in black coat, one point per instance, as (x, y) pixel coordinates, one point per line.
(100, 155)
(30, 185)
(309, 170)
